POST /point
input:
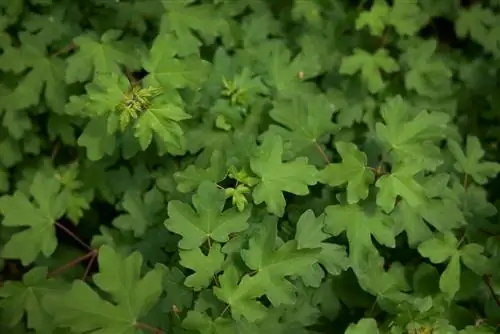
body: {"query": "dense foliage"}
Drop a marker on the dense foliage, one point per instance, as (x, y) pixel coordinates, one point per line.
(249, 166)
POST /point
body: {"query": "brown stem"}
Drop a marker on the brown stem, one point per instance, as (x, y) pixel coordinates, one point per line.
(72, 263)
(487, 281)
(149, 328)
(322, 152)
(89, 265)
(74, 236)
(64, 50)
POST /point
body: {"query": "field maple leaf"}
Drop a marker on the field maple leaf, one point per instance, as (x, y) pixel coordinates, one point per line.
(277, 176)
(38, 212)
(131, 296)
(210, 221)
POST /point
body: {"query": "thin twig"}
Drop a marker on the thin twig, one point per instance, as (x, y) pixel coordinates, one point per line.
(149, 328)
(74, 236)
(68, 48)
(322, 152)
(71, 264)
(487, 281)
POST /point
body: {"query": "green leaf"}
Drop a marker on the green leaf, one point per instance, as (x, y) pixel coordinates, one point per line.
(476, 22)
(39, 215)
(161, 119)
(272, 265)
(181, 17)
(204, 266)
(202, 323)
(469, 162)
(364, 326)
(277, 176)
(428, 75)
(359, 227)
(178, 295)
(412, 140)
(353, 170)
(142, 211)
(209, 221)
(441, 249)
(167, 71)
(25, 298)
(375, 19)
(96, 140)
(400, 182)
(310, 234)
(241, 295)
(449, 282)
(97, 56)
(407, 17)
(45, 75)
(76, 195)
(190, 178)
(472, 257)
(370, 67)
(301, 129)
(83, 310)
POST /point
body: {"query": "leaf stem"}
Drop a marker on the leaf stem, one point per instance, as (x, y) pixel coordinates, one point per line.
(322, 152)
(72, 263)
(487, 281)
(74, 236)
(149, 328)
(68, 48)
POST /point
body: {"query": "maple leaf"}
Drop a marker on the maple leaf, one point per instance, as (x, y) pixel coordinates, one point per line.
(77, 197)
(303, 123)
(25, 298)
(39, 215)
(241, 295)
(181, 17)
(272, 265)
(209, 221)
(400, 182)
(47, 28)
(445, 248)
(427, 74)
(167, 70)
(99, 56)
(475, 21)
(407, 17)
(96, 140)
(204, 324)
(45, 75)
(412, 140)
(370, 66)
(353, 170)
(412, 222)
(83, 310)
(142, 211)
(204, 266)
(359, 227)
(177, 294)
(375, 18)
(284, 68)
(161, 119)
(363, 326)
(469, 162)
(310, 234)
(277, 176)
(190, 178)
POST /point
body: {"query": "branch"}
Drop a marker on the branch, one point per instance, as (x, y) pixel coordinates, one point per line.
(487, 281)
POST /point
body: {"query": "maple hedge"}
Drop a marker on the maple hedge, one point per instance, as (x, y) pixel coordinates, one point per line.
(219, 166)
